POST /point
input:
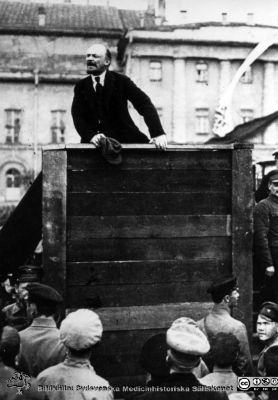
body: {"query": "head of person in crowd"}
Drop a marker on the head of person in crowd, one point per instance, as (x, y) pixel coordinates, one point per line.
(98, 58)
(42, 300)
(273, 182)
(224, 350)
(187, 344)
(225, 291)
(267, 322)
(153, 358)
(7, 282)
(271, 361)
(9, 345)
(7, 290)
(27, 274)
(80, 331)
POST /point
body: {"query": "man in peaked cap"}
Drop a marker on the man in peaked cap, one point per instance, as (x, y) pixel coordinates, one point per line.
(187, 344)
(41, 346)
(263, 191)
(79, 332)
(225, 295)
(266, 239)
(16, 314)
(267, 329)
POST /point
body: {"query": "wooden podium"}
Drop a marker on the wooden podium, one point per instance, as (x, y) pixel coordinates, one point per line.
(139, 243)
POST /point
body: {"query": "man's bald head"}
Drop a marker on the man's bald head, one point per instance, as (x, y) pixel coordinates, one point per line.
(98, 59)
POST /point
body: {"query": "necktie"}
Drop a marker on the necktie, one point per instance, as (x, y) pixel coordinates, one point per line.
(99, 99)
(98, 86)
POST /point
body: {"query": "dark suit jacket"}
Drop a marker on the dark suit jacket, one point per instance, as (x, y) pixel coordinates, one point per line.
(118, 89)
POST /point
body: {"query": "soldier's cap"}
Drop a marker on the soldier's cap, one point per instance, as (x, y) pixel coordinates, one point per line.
(39, 292)
(223, 287)
(269, 310)
(273, 176)
(81, 329)
(29, 273)
(275, 154)
(184, 336)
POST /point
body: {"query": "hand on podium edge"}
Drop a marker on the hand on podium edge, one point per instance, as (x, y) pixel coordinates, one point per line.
(160, 142)
(95, 140)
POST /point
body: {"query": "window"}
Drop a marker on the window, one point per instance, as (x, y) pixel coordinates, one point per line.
(202, 72)
(246, 114)
(58, 126)
(13, 184)
(202, 121)
(13, 125)
(247, 77)
(155, 71)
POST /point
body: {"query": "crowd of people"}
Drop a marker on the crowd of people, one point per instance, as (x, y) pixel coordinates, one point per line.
(191, 360)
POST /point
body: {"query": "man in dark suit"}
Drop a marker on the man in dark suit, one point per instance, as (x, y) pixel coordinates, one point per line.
(100, 104)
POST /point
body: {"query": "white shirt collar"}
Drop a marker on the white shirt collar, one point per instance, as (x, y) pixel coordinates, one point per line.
(101, 80)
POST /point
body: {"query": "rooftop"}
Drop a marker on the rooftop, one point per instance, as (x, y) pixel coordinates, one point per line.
(59, 17)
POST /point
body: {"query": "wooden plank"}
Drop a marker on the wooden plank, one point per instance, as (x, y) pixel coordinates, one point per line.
(148, 203)
(159, 316)
(191, 160)
(148, 226)
(136, 180)
(148, 249)
(132, 272)
(125, 342)
(54, 219)
(242, 199)
(151, 147)
(135, 295)
(122, 364)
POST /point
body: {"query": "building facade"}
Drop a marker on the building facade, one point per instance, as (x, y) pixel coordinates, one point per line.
(42, 57)
(184, 68)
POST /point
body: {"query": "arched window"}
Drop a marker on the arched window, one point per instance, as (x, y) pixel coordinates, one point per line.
(13, 178)
(13, 184)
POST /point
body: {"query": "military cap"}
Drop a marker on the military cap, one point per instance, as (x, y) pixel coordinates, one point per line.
(273, 176)
(184, 336)
(269, 310)
(81, 329)
(275, 154)
(43, 293)
(29, 273)
(223, 287)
